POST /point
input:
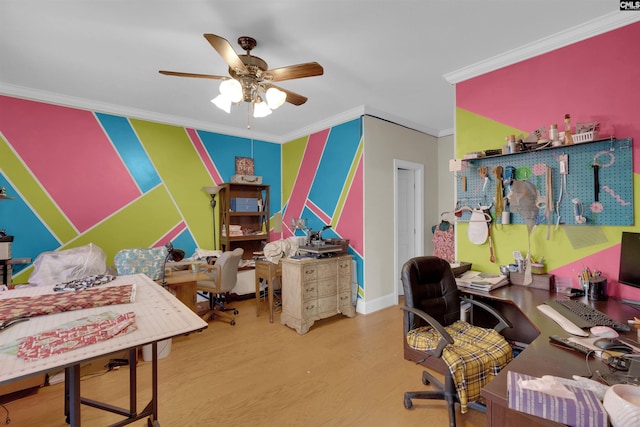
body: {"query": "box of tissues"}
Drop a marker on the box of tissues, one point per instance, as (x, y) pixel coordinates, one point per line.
(546, 398)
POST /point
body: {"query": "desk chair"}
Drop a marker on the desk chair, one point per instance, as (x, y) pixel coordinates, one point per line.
(223, 275)
(432, 325)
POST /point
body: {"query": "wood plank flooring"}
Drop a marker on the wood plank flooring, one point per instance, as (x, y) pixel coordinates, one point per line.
(343, 372)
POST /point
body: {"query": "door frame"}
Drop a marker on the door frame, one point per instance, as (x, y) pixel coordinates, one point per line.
(418, 192)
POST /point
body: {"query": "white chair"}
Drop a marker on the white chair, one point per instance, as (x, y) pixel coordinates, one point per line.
(223, 275)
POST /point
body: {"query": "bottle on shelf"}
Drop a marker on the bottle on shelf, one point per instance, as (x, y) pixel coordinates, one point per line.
(511, 140)
(553, 135)
(568, 140)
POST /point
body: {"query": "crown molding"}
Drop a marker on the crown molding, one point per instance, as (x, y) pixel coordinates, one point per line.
(564, 38)
(120, 110)
(323, 124)
(383, 115)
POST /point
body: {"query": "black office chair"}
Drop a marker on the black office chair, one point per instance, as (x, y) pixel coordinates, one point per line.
(432, 327)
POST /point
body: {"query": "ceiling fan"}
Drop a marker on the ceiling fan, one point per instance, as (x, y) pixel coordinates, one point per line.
(250, 79)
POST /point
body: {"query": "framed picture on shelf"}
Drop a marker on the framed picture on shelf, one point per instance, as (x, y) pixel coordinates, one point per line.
(244, 166)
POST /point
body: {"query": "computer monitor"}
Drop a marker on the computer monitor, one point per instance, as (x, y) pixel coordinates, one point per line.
(629, 273)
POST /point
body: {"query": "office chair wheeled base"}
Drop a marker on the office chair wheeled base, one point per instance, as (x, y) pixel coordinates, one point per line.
(221, 311)
(446, 392)
(211, 314)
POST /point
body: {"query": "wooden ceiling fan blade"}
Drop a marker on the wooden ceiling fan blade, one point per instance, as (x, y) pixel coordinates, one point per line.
(292, 97)
(299, 71)
(197, 76)
(226, 51)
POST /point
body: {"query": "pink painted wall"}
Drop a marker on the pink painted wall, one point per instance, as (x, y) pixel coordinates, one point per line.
(597, 79)
(44, 139)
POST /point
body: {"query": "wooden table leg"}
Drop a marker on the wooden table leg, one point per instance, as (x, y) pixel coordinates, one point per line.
(257, 292)
(270, 292)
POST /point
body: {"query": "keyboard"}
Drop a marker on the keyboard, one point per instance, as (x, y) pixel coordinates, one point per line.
(585, 316)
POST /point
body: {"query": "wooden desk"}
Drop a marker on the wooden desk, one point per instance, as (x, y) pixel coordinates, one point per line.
(518, 304)
(184, 284)
(159, 316)
(270, 272)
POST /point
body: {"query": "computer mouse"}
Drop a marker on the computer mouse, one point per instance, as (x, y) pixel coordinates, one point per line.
(604, 332)
(612, 344)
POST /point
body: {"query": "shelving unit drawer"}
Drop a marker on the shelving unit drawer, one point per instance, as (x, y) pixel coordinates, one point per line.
(309, 291)
(344, 299)
(310, 309)
(344, 268)
(327, 306)
(327, 287)
(326, 270)
(344, 285)
(309, 273)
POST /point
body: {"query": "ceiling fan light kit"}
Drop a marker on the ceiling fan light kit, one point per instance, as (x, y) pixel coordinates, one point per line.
(275, 98)
(233, 92)
(250, 78)
(260, 109)
(232, 89)
(222, 102)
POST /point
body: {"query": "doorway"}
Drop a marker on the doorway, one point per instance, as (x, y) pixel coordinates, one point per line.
(408, 212)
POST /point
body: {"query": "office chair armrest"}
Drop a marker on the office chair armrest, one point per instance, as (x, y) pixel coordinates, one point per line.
(217, 272)
(502, 321)
(445, 338)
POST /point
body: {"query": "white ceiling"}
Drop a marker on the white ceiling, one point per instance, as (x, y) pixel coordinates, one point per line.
(384, 58)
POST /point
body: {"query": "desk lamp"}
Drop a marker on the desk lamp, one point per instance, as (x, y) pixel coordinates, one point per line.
(212, 191)
(173, 255)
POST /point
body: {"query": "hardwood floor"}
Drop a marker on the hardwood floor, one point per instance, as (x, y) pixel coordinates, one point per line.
(343, 372)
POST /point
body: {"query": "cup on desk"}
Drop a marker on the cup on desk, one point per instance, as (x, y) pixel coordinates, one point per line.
(597, 288)
(195, 267)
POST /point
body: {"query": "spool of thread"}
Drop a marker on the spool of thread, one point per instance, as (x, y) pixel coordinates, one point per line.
(506, 217)
(553, 132)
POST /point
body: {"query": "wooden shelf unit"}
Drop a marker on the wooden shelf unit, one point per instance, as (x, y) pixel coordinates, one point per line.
(255, 225)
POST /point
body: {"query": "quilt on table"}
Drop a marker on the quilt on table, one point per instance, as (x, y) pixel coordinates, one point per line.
(71, 335)
(38, 305)
(474, 358)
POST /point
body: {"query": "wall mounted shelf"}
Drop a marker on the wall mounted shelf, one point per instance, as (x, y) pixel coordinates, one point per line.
(607, 200)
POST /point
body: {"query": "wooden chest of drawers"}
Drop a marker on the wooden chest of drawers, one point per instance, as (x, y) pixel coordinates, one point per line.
(314, 289)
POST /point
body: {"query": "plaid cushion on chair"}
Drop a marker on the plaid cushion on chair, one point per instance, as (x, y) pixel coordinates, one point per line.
(475, 357)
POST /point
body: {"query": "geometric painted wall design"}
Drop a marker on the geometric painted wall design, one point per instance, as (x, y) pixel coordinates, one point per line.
(79, 177)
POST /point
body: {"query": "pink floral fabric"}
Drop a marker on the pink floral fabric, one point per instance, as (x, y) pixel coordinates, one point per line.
(90, 331)
(444, 243)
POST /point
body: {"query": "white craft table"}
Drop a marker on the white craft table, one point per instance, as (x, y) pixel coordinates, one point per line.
(159, 316)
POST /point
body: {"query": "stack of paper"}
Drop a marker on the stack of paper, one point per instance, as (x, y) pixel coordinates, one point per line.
(481, 281)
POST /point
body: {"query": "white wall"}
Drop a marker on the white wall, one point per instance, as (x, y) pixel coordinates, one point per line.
(446, 180)
(384, 142)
